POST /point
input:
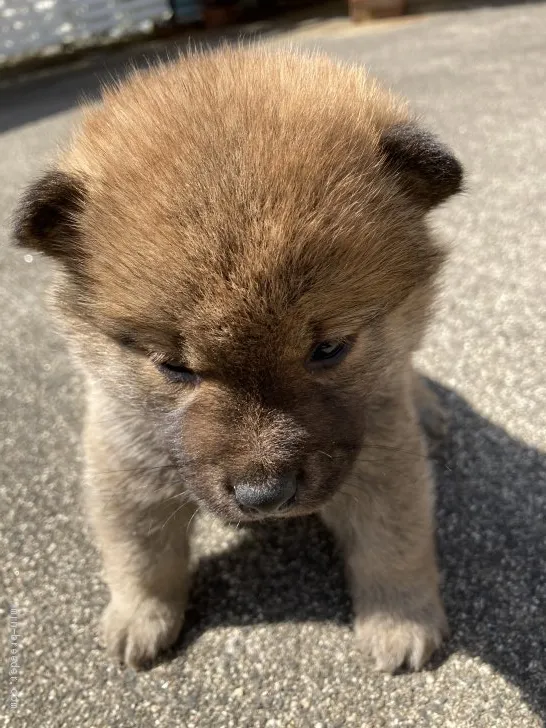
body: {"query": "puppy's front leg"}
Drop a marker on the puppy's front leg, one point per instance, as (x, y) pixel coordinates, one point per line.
(383, 517)
(141, 525)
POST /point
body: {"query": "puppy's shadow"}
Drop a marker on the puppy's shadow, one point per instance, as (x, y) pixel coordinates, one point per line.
(492, 545)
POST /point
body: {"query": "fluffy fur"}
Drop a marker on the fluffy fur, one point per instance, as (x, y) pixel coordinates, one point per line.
(228, 213)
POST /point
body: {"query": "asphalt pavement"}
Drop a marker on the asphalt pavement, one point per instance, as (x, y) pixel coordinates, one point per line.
(267, 640)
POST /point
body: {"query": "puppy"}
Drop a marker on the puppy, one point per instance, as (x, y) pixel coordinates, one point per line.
(245, 271)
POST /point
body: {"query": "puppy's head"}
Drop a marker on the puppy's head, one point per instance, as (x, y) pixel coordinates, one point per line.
(245, 263)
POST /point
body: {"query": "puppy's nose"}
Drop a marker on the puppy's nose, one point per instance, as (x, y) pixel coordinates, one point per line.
(267, 495)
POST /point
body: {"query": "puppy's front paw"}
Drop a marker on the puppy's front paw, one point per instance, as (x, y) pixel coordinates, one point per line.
(394, 641)
(134, 634)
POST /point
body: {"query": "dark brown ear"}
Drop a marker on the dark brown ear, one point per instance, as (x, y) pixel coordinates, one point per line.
(427, 169)
(47, 216)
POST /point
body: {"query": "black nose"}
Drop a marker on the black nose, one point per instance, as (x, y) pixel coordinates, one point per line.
(266, 495)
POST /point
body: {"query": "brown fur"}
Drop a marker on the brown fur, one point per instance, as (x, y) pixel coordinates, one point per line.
(229, 212)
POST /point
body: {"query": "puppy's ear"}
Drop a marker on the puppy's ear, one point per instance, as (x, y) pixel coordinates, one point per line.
(47, 217)
(427, 169)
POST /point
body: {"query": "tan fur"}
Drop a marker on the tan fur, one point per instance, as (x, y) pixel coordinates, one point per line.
(232, 210)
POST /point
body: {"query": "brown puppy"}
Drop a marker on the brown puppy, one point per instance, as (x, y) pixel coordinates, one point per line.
(245, 272)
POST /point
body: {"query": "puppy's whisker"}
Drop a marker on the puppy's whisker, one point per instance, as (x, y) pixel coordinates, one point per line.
(349, 495)
(198, 508)
(179, 495)
(349, 447)
(151, 468)
(419, 455)
(139, 469)
(173, 514)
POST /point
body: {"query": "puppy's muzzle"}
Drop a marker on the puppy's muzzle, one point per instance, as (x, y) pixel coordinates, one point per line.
(267, 495)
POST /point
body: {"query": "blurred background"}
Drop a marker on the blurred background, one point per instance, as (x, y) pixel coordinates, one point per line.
(42, 28)
(267, 639)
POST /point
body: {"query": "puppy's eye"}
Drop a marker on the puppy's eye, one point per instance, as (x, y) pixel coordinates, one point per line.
(328, 353)
(177, 372)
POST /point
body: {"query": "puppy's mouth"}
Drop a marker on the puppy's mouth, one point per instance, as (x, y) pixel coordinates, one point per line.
(225, 506)
(255, 495)
(304, 502)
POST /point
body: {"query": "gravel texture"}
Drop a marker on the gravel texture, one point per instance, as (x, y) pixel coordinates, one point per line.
(267, 639)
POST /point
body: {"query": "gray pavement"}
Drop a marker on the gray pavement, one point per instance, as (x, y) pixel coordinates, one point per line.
(267, 640)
